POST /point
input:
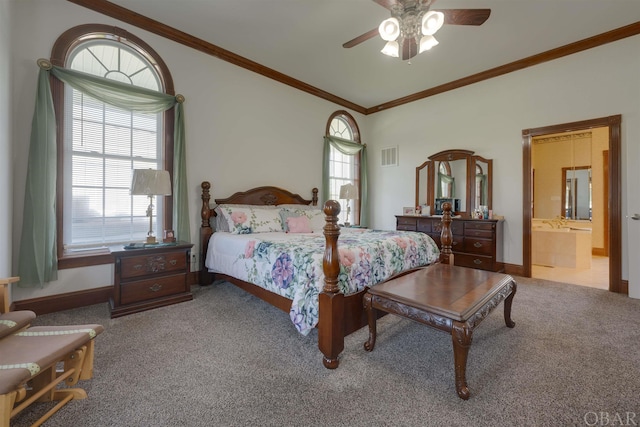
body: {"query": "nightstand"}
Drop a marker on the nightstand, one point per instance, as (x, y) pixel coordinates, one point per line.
(151, 277)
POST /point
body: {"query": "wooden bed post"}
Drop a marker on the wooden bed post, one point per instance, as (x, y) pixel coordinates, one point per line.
(205, 230)
(446, 237)
(331, 300)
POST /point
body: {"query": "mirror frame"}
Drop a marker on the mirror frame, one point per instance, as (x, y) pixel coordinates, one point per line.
(452, 155)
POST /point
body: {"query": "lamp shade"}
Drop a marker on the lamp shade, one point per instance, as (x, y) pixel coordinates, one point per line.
(391, 49)
(389, 29)
(427, 42)
(150, 182)
(348, 192)
(431, 22)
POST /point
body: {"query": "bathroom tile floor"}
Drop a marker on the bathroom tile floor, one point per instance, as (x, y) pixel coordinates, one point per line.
(596, 277)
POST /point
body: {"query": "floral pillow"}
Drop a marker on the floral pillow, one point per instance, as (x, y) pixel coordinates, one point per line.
(285, 214)
(246, 220)
(299, 224)
(316, 217)
(221, 222)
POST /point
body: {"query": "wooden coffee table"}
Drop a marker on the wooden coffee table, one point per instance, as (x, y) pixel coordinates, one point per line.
(449, 298)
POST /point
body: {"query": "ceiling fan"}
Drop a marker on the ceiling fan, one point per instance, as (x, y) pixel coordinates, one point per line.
(406, 31)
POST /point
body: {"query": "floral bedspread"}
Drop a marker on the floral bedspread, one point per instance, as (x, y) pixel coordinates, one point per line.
(291, 264)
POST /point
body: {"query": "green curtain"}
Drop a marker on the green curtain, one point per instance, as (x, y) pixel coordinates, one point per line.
(180, 202)
(446, 179)
(37, 262)
(348, 148)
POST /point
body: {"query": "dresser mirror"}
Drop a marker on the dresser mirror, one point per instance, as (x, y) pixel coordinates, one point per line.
(455, 176)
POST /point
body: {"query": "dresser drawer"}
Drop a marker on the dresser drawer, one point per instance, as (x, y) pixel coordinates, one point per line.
(424, 225)
(457, 243)
(145, 290)
(479, 229)
(404, 223)
(487, 234)
(150, 264)
(474, 261)
(457, 227)
(478, 225)
(478, 246)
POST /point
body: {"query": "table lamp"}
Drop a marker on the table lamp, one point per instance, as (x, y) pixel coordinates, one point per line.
(348, 192)
(150, 182)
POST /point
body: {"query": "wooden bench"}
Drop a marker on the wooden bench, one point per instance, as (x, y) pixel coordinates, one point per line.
(449, 298)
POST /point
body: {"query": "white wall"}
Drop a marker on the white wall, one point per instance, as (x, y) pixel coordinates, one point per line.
(6, 183)
(244, 130)
(489, 117)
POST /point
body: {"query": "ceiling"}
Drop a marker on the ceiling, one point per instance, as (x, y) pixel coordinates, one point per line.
(303, 39)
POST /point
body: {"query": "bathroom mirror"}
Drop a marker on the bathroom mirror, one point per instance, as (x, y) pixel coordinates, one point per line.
(456, 176)
(576, 197)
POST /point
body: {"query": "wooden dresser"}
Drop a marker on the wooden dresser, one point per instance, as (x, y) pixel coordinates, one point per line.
(150, 277)
(477, 243)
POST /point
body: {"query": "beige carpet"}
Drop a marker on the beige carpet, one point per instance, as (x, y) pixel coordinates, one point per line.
(228, 359)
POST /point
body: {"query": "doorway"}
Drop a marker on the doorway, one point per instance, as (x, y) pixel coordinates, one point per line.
(612, 226)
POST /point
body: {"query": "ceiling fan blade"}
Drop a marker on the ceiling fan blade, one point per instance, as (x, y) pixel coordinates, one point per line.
(361, 38)
(387, 3)
(409, 49)
(465, 16)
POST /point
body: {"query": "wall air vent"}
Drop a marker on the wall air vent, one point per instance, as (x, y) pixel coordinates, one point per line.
(389, 156)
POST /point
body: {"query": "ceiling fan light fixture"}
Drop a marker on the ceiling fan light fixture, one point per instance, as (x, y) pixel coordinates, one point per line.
(432, 21)
(389, 29)
(427, 42)
(391, 49)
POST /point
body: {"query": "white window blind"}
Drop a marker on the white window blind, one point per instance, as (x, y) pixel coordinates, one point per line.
(103, 144)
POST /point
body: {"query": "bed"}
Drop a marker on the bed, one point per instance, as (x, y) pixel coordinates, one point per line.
(302, 272)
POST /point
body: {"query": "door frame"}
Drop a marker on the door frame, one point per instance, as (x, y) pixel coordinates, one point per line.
(614, 188)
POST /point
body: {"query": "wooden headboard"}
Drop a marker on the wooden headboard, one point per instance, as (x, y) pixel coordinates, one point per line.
(259, 196)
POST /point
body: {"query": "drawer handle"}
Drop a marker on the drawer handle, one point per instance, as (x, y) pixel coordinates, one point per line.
(477, 261)
(477, 244)
(173, 262)
(137, 267)
(156, 287)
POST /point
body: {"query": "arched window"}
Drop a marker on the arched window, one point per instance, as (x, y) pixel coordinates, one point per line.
(344, 169)
(99, 144)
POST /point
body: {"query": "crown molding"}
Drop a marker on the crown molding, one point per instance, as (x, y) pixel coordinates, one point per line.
(130, 17)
